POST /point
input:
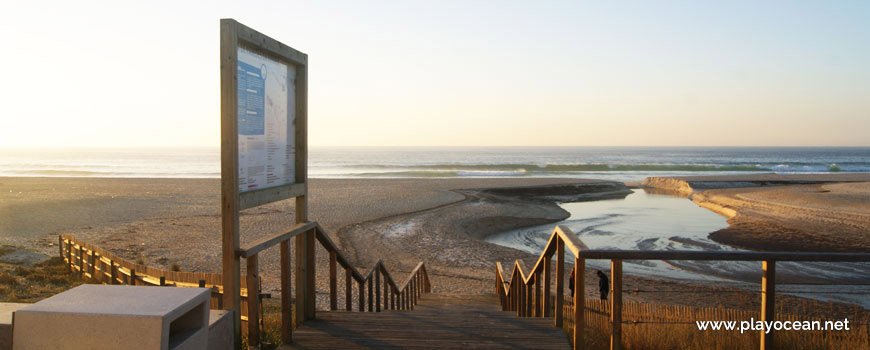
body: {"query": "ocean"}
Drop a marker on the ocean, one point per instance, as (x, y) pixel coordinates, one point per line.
(616, 163)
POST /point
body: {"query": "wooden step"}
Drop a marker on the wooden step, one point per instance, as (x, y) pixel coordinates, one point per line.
(438, 322)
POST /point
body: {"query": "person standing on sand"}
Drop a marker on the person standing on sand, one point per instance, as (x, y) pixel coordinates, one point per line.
(603, 285)
(571, 282)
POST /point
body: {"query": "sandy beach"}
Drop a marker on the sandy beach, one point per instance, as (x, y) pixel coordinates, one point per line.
(404, 221)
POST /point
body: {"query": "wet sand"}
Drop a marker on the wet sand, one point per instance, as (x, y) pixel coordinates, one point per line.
(819, 212)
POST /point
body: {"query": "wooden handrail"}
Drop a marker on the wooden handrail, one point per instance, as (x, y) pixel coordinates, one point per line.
(273, 239)
(516, 294)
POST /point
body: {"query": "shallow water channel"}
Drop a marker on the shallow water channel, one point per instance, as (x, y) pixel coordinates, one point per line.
(652, 221)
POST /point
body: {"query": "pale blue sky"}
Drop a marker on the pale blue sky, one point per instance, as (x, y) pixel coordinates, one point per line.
(652, 73)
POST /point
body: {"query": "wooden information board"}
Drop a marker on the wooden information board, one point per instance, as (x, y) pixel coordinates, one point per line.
(264, 144)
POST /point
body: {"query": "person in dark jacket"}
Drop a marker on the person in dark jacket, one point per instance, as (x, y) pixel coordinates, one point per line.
(603, 285)
(571, 282)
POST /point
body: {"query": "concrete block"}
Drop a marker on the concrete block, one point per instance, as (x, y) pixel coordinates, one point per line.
(116, 317)
(6, 310)
(220, 330)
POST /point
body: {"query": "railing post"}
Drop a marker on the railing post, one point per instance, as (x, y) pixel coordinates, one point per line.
(616, 305)
(81, 260)
(538, 310)
(768, 301)
(132, 277)
(392, 299)
(547, 305)
(333, 282)
(529, 295)
(371, 297)
(60, 246)
(286, 297)
(348, 289)
(253, 302)
(377, 288)
(113, 272)
(304, 273)
(69, 255)
(362, 296)
(386, 292)
(579, 302)
(560, 280)
(413, 294)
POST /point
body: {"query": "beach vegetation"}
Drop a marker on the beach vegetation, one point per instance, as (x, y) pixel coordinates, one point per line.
(30, 283)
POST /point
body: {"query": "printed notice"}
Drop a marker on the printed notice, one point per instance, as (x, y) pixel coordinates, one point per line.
(266, 102)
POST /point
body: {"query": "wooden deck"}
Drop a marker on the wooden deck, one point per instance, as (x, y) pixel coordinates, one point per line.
(438, 322)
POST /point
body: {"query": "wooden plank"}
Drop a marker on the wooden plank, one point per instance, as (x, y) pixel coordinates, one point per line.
(259, 245)
(579, 303)
(362, 296)
(377, 288)
(333, 282)
(371, 297)
(286, 290)
(229, 173)
(253, 302)
(768, 301)
(547, 304)
(268, 195)
(723, 255)
(348, 292)
(560, 278)
(616, 305)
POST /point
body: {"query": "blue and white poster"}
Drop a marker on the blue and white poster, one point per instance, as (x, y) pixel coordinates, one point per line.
(266, 112)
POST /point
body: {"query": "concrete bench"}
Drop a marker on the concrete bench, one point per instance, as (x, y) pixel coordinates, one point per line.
(116, 317)
(6, 310)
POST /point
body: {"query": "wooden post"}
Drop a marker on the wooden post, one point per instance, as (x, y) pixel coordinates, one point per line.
(253, 302)
(377, 288)
(530, 295)
(768, 301)
(386, 294)
(304, 271)
(560, 278)
(333, 282)
(81, 260)
(286, 297)
(362, 296)
(411, 295)
(547, 305)
(113, 272)
(579, 302)
(371, 296)
(132, 277)
(162, 281)
(69, 255)
(616, 305)
(348, 289)
(201, 283)
(60, 246)
(538, 311)
(392, 299)
(230, 178)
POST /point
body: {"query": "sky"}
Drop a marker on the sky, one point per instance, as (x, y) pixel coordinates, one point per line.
(449, 73)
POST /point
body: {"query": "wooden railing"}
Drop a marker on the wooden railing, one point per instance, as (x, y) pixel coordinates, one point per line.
(102, 266)
(395, 296)
(527, 291)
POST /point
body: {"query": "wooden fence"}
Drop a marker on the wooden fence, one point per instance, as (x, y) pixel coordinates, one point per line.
(102, 266)
(527, 292)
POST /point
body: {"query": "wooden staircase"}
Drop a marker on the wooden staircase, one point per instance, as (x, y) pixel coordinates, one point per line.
(437, 322)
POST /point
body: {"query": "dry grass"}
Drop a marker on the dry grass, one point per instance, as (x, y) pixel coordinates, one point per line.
(673, 327)
(29, 284)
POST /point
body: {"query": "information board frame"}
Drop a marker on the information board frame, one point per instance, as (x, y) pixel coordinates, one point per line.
(234, 35)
